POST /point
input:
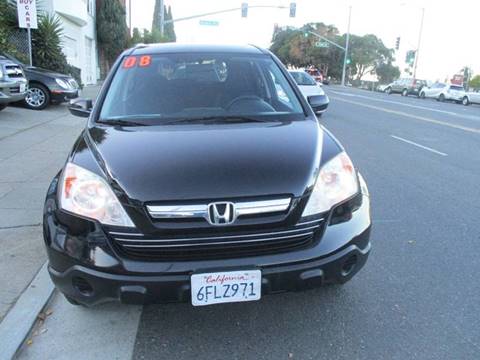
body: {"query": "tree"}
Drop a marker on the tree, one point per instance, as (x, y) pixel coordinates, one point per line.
(136, 38)
(367, 53)
(387, 73)
(112, 33)
(298, 47)
(475, 82)
(168, 29)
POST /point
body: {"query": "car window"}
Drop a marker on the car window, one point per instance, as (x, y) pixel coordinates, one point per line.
(456, 87)
(199, 85)
(302, 78)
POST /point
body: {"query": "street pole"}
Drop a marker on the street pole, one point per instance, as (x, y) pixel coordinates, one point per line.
(418, 46)
(346, 46)
(162, 18)
(29, 45)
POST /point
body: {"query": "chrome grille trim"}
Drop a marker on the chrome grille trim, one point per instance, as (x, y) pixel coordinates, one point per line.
(273, 234)
(201, 210)
(216, 242)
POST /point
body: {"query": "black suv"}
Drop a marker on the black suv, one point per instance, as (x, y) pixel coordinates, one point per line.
(202, 175)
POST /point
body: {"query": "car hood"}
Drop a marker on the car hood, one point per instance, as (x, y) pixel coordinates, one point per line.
(189, 162)
(311, 90)
(41, 71)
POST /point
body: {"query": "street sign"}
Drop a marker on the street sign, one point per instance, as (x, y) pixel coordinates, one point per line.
(27, 14)
(209, 22)
(322, 44)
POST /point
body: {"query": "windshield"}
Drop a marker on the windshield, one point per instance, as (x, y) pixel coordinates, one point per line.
(186, 86)
(302, 78)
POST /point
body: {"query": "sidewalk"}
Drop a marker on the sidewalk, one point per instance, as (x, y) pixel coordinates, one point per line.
(33, 147)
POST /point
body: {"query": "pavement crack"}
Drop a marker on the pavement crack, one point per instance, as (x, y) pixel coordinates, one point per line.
(19, 226)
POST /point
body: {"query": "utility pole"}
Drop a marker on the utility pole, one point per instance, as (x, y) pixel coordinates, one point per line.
(345, 59)
(162, 18)
(418, 46)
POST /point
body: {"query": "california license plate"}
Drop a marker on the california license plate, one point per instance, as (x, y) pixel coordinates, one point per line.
(226, 287)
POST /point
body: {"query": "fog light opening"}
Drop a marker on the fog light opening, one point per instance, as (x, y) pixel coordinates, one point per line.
(82, 286)
(349, 265)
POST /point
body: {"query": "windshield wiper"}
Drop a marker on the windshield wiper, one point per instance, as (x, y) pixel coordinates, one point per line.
(212, 119)
(121, 122)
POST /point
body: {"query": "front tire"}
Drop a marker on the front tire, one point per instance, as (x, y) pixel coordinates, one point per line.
(405, 92)
(441, 98)
(388, 91)
(422, 95)
(2, 106)
(38, 97)
(465, 101)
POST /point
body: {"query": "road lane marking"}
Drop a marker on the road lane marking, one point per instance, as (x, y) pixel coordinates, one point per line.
(418, 145)
(416, 117)
(400, 103)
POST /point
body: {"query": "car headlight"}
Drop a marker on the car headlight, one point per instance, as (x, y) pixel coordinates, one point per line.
(87, 194)
(320, 91)
(336, 182)
(1, 73)
(62, 83)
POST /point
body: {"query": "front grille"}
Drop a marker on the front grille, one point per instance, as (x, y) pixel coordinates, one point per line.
(14, 71)
(217, 245)
(15, 90)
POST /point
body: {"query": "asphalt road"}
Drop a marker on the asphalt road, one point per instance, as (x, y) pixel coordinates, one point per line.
(417, 297)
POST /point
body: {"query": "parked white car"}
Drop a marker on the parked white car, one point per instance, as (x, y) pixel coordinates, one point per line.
(311, 90)
(471, 98)
(443, 92)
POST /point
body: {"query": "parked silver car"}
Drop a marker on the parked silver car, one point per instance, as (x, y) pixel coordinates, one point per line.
(13, 84)
(443, 92)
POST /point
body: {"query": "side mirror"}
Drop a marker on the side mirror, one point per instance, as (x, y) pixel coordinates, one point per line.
(81, 107)
(318, 103)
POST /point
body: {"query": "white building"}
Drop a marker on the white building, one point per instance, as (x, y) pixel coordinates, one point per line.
(79, 42)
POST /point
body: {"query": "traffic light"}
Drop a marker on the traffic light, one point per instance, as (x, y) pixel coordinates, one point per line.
(397, 43)
(410, 59)
(293, 9)
(244, 9)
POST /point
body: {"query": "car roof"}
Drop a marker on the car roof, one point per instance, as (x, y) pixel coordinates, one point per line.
(196, 48)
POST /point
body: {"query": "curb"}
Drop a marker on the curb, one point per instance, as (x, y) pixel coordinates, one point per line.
(18, 322)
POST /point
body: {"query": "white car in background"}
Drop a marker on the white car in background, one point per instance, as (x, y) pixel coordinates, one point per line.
(311, 90)
(443, 92)
(471, 97)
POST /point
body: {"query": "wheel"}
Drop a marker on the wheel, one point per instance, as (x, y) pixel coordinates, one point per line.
(2, 106)
(72, 301)
(422, 95)
(388, 90)
(405, 92)
(38, 97)
(465, 101)
(441, 98)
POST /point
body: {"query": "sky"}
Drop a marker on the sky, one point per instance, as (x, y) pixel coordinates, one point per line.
(449, 38)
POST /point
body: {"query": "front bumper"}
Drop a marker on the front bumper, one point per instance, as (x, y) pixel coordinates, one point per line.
(9, 92)
(63, 95)
(88, 269)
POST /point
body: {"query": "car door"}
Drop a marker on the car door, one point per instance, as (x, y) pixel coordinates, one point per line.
(474, 97)
(434, 91)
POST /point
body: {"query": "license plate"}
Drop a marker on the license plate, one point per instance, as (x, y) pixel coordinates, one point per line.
(226, 287)
(22, 88)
